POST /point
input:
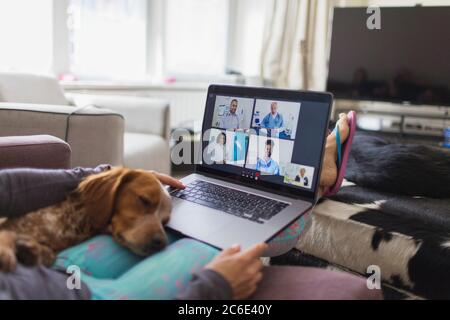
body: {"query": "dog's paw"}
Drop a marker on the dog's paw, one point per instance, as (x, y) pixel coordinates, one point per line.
(31, 253)
(27, 251)
(8, 260)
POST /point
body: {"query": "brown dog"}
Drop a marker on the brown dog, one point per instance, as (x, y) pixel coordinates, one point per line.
(132, 205)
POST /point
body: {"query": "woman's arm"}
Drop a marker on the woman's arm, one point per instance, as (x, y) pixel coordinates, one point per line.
(26, 190)
(39, 283)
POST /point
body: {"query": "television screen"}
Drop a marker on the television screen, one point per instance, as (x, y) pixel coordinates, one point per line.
(406, 61)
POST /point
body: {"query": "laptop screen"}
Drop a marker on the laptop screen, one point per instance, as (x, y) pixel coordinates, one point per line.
(265, 137)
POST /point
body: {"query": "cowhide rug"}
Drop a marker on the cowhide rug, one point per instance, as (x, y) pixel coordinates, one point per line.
(396, 216)
(412, 252)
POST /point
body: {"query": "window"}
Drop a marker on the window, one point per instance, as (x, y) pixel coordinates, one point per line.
(26, 35)
(248, 22)
(107, 38)
(132, 39)
(196, 37)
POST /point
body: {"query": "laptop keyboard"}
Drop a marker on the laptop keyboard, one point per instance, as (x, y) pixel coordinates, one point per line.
(238, 203)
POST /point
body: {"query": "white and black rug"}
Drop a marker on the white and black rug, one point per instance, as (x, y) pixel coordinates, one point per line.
(399, 228)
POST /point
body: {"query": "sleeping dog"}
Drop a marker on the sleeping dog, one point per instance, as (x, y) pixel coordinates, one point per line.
(132, 205)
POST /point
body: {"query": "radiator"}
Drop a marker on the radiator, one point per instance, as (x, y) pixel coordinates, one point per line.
(186, 106)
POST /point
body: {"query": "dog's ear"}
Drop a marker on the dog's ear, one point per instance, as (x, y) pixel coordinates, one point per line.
(98, 194)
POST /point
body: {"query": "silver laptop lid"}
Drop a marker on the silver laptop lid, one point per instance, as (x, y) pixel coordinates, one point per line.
(266, 138)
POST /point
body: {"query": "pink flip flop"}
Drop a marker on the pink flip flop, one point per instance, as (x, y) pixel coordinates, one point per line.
(343, 153)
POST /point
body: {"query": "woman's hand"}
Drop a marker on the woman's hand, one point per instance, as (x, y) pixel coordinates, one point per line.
(168, 180)
(242, 270)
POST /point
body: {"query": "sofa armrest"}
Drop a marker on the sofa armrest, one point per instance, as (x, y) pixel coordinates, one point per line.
(142, 115)
(95, 135)
(39, 152)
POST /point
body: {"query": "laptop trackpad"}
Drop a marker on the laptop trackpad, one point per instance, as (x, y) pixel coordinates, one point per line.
(197, 221)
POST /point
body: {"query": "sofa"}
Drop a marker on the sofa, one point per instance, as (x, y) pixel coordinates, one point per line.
(119, 130)
(37, 152)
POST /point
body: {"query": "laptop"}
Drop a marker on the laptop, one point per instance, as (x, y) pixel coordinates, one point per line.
(260, 157)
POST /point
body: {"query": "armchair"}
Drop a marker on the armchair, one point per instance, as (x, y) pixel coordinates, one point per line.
(118, 130)
(147, 127)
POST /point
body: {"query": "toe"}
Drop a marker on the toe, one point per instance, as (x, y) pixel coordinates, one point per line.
(344, 128)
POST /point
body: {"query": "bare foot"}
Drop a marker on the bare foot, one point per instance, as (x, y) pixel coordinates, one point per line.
(329, 171)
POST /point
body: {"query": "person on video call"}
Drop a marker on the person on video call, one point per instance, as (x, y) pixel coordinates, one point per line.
(273, 120)
(220, 149)
(267, 164)
(231, 119)
(301, 178)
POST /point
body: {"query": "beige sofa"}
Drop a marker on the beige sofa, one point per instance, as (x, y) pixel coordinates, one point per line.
(119, 130)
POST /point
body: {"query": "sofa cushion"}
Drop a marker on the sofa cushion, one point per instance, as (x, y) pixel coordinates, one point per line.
(45, 152)
(145, 151)
(26, 88)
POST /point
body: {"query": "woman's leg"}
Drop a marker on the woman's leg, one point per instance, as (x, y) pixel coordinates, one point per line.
(288, 238)
(159, 277)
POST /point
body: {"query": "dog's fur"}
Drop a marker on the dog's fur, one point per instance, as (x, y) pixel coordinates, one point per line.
(403, 169)
(132, 205)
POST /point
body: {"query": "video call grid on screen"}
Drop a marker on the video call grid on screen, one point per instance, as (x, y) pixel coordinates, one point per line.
(258, 134)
